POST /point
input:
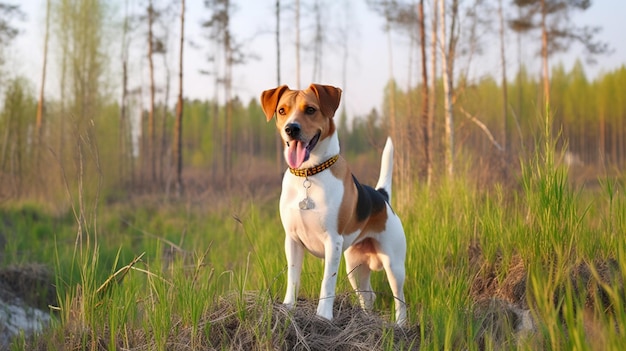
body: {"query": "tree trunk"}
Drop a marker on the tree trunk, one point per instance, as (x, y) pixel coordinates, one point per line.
(392, 84)
(151, 132)
(278, 83)
(163, 147)
(297, 44)
(228, 58)
(123, 152)
(544, 55)
(425, 113)
(505, 97)
(40, 103)
(318, 42)
(432, 103)
(178, 127)
(447, 89)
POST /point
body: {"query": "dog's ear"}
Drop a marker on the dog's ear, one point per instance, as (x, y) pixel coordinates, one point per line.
(328, 96)
(269, 100)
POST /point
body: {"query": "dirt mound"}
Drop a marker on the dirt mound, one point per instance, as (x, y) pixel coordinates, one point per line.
(300, 328)
(254, 322)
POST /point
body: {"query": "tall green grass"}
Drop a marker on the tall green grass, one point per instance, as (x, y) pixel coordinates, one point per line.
(148, 271)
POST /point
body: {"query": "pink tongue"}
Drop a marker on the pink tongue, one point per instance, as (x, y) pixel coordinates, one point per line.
(296, 153)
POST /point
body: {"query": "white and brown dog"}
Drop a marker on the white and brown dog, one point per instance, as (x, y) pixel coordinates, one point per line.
(324, 208)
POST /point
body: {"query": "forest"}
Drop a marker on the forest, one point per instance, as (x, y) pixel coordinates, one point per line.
(136, 140)
(146, 218)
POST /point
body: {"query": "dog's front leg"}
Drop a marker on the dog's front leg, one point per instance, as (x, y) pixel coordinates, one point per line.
(332, 253)
(295, 255)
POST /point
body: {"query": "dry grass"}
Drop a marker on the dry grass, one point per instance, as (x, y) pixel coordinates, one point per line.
(247, 323)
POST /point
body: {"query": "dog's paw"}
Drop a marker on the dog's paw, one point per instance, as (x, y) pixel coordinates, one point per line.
(324, 312)
(289, 305)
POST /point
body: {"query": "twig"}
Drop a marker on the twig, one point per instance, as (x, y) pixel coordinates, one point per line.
(121, 272)
(482, 126)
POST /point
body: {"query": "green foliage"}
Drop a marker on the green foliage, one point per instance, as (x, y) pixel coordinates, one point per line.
(16, 124)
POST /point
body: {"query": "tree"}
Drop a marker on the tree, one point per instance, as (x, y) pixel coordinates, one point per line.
(432, 103)
(80, 27)
(15, 121)
(7, 30)
(40, 103)
(177, 152)
(318, 40)
(151, 152)
(426, 168)
(448, 49)
(505, 95)
(124, 125)
(220, 32)
(553, 19)
(297, 43)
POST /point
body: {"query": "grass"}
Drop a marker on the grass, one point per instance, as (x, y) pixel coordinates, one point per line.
(481, 263)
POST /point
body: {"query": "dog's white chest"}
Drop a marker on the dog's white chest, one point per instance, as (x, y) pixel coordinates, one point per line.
(309, 207)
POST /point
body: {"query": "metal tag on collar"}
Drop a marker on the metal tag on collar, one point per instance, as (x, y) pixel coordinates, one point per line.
(306, 203)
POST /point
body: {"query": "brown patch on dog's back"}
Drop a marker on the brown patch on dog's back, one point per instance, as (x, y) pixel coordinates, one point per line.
(377, 222)
(346, 222)
(362, 207)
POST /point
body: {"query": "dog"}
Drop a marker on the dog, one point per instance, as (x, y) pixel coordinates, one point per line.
(323, 207)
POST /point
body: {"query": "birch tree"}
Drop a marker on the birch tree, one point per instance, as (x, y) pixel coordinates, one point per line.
(447, 47)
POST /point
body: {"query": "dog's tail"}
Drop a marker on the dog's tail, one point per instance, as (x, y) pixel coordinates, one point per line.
(386, 169)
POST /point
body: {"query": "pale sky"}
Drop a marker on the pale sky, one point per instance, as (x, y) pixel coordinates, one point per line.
(368, 62)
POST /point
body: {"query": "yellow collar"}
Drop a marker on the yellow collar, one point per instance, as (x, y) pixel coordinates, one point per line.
(300, 172)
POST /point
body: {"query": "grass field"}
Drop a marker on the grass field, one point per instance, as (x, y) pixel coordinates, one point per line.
(536, 265)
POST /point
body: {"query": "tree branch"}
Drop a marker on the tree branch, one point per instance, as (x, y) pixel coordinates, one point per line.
(482, 126)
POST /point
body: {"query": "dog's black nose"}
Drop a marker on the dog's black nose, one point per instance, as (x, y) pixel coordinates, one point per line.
(292, 130)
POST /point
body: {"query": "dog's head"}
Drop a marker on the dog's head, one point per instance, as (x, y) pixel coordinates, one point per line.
(303, 117)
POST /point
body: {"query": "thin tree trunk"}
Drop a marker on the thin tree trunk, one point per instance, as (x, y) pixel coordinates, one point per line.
(447, 89)
(602, 139)
(151, 131)
(432, 103)
(298, 44)
(123, 152)
(178, 127)
(40, 103)
(505, 97)
(278, 83)
(228, 57)
(163, 147)
(318, 42)
(544, 55)
(520, 86)
(425, 114)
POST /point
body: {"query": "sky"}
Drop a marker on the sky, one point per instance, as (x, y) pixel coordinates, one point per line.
(368, 63)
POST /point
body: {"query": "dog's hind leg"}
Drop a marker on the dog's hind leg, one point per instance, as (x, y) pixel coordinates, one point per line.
(359, 273)
(392, 254)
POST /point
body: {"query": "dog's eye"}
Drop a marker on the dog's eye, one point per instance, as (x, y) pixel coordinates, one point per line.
(309, 110)
(281, 111)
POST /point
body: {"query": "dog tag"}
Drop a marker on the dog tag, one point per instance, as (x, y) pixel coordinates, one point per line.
(306, 204)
